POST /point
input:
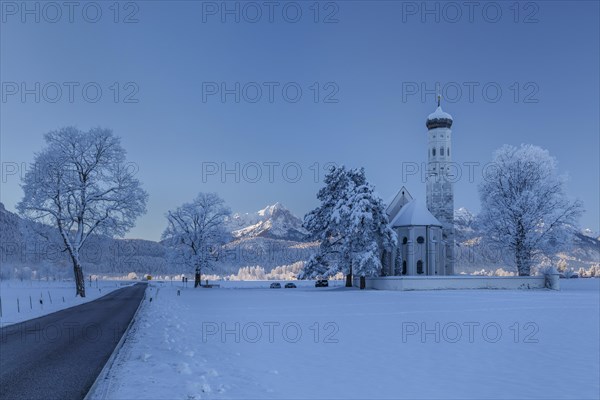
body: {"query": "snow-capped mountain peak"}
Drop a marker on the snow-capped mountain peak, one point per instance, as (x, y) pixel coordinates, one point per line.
(274, 221)
(270, 210)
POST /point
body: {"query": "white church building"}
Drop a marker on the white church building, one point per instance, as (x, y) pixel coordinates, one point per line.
(426, 229)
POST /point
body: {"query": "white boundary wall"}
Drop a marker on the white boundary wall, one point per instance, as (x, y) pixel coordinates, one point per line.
(457, 282)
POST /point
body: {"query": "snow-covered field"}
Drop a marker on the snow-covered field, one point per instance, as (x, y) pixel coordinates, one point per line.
(345, 343)
(21, 299)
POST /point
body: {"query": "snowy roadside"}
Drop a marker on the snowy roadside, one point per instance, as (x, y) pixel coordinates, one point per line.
(346, 343)
(24, 300)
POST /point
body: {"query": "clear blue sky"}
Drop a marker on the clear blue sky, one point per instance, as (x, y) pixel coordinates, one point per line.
(370, 61)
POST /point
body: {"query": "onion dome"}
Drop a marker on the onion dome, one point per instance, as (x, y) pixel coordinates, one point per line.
(439, 118)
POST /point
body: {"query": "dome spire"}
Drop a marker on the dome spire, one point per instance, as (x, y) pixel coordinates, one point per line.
(439, 118)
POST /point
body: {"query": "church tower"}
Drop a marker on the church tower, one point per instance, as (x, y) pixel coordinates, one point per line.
(440, 188)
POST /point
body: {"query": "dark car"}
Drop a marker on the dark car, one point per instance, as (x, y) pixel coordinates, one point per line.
(275, 285)
(290, 285)
(322, 283)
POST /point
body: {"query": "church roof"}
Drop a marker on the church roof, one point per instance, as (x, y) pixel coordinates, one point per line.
(396, 204)
(439, 119)
(415, 213)
(439, 114)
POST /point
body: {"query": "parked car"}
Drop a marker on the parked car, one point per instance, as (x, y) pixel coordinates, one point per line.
(322, 283)
(290, 285)
(275, 285)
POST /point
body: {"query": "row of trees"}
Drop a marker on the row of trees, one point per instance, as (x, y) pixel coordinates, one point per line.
(81, 184)
(524, 211)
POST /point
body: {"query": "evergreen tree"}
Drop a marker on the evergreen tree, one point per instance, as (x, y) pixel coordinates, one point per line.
(367, 231)
(351, 225)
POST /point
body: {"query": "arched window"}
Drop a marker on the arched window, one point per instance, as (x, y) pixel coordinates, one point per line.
(404, 240)
(404, 267)
(448, 151)
(442, 151)
(419, 267)
(433, 151)
(420, 240)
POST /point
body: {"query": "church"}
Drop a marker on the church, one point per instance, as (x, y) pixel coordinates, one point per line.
(426, 229)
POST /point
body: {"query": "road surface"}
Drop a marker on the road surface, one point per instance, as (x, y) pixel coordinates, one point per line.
(59, 356)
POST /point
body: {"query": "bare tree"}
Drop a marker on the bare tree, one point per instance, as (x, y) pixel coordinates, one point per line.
(524, 208)
(81, 184)
(195, 231)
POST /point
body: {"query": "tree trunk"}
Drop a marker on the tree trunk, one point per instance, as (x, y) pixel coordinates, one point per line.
(349, 280)
(523, 261)
(363, 282)
(522, 256)
(198, 278)
(79, 281)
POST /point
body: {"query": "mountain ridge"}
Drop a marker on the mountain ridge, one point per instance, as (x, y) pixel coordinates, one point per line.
(269, 238)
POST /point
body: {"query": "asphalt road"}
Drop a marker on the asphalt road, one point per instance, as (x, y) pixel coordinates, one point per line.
(59, 356)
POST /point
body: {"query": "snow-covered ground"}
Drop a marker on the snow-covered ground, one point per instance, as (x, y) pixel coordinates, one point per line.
(345, 343)
(21, 299)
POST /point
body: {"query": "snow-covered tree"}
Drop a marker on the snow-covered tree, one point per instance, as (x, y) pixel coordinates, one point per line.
(525, 210)
(320, 224)
(367, 231)
(81, 184)
(196, 230)
(351, 225)
(561, 265)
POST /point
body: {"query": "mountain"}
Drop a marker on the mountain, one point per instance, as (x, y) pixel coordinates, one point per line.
(275, 222)
(269, 238)
(28, 247)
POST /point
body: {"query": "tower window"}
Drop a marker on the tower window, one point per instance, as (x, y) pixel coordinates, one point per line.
(448, 151)
(420, 240)
(441, 151)
(405, 240)
(419, 267)
(433, 151)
